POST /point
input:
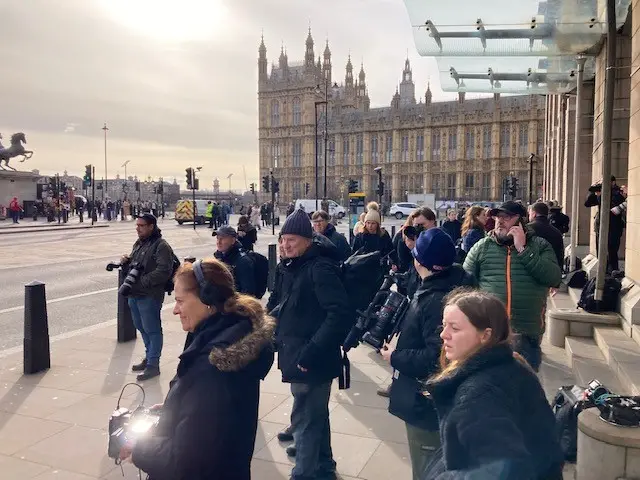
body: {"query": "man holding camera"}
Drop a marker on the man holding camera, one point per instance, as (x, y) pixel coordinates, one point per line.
(519, 268)
(155, 259)
(616, 219)
(414, 355)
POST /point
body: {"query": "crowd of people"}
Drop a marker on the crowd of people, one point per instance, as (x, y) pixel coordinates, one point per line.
(464, 363)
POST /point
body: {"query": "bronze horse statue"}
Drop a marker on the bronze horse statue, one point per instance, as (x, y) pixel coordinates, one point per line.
(15, 150)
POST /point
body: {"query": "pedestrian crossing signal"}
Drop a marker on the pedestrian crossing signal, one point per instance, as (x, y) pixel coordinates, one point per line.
(353, 186)
(265, 183)
(86, 180)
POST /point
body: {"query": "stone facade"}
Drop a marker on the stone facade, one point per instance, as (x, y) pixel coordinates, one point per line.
(458, 150)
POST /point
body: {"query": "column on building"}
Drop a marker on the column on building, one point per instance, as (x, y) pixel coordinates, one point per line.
(397, 195)
(367, 168)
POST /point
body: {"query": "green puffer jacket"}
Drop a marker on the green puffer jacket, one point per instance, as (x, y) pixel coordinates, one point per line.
(520, 280)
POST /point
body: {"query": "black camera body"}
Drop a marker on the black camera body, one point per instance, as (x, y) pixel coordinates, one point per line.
(596, 187)
(412, 232)
(383, 317)
(126, 427)
(134, 273)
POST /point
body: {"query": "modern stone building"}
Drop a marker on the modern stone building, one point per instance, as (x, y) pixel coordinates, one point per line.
(458, 150)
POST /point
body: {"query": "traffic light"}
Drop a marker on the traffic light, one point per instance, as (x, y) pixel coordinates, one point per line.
(160, 188)
(306, 188)
(189, 178)
(380, 189)
(513, 187)
(196, 184)
(86, 180)
(265, 183)
(253, 188)
(52, 187)
(353, 186)
(137, 185)
(276, 186)
(155, 190)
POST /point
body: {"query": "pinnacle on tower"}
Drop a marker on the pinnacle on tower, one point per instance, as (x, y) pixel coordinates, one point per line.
(309, 56)
(361, 76)
(327, 52)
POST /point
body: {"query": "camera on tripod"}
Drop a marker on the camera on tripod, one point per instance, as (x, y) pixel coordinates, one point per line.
(126, 427)
(134, 272)
(383, 317)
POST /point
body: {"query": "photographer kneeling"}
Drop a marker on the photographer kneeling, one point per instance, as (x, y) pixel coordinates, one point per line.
(209, 419)
(416, 355)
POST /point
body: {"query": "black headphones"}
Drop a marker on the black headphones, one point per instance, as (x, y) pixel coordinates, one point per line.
(208, 293)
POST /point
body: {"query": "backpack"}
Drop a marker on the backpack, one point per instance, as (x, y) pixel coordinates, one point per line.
(362, 275)
(261, 272)
(168, 287)
(567, 404)
(460, 253)
(612, 287)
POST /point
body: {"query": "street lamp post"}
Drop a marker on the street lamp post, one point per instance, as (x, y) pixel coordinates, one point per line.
(532, 160)
(104, 186)
(378, 170)
(324, 102)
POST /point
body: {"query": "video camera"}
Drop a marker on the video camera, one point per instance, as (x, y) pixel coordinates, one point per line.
(126, 427)
(134, 272)
(383, 317)
(412, 233)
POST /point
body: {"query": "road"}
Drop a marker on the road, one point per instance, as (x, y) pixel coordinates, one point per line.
(80, 292)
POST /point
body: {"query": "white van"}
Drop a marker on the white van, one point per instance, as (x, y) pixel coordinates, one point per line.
(309, 206)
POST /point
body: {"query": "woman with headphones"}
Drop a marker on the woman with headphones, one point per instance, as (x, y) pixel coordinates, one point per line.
(209, 418)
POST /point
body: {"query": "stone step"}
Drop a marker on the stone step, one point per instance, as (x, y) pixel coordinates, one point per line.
(588, 363)
(622, 354)
(635, 333)
(574, 294)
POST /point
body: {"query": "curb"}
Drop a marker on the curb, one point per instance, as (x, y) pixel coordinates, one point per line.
(48, 228)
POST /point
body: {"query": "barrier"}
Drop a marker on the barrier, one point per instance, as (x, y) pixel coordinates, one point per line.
(36, 351)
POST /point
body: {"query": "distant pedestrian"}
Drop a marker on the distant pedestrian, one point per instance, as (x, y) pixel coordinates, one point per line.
(15, 209)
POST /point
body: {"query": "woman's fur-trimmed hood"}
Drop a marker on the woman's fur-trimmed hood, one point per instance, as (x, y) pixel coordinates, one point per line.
(242, 353)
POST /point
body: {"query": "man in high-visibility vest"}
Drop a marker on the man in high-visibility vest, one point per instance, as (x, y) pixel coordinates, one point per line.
(209, 213)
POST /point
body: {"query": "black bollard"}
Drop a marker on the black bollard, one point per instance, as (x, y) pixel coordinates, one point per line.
(36, 352)
(126, 330)
(273, 261)
(393, 231)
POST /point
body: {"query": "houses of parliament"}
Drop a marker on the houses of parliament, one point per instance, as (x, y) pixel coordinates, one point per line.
(459, 150)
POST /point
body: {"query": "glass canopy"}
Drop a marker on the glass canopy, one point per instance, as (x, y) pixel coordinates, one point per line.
(508, 27)
(517, 75)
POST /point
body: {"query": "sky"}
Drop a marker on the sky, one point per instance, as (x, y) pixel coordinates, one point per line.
(176, 81)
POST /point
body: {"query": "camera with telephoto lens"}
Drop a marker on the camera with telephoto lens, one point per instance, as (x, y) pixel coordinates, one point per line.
(126, 426)
(383, 317)
(620, 208)
(412, 232)
(596, 187)
(134, 273)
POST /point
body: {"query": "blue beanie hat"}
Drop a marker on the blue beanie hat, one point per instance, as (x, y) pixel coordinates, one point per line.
(434, 250)
(297, 223)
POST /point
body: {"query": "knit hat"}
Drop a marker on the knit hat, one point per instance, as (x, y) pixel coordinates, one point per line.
(297, 223)
(372, 216)
(434, 250)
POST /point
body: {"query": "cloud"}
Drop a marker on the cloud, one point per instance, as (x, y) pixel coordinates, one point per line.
(168, 102)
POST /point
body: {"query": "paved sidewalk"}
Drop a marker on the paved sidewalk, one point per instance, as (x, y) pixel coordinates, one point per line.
(53, 425)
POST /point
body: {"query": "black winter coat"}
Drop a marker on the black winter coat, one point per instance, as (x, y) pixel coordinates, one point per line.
(241, 267)
(616, 222)
(541, 227)
(372, 242)
(250, 238)
(313, 314)
(402, 255)
(453, 228)
(494, 417)
(208, 423)
(339, 241)
(559, 220)
(156, 257)
(418, 350)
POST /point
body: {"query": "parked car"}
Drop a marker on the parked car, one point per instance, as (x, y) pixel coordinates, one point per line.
(309, 206)
(401, 210)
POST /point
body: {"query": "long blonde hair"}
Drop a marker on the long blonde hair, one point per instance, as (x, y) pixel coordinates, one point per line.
(471, 219)
(218, 274)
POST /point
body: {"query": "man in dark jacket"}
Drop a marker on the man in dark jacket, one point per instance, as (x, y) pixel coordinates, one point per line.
(616, 221)
(312, 311)
(540, 226)
(230, 252)
(156, 258)
(557, 218)
(452, 226)
(416, 355)
(321, 225)
(519, 268)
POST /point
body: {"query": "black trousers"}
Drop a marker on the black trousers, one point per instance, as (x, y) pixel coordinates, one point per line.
(613, 245)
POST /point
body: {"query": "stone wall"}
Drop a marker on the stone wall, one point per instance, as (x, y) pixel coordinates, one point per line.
(632, 253)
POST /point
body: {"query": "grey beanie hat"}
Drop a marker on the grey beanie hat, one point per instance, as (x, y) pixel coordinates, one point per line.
(297, 223)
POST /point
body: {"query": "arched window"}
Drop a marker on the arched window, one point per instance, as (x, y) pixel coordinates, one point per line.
(297, 112)
(275, 113)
